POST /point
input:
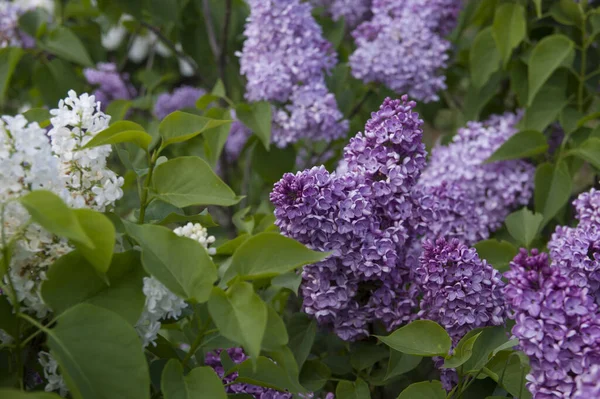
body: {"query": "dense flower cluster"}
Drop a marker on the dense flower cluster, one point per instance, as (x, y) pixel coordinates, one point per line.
(588, 385)
(160, 302)
(112, 85)
(10, 33)
(474, 198)
(237, 355)
(403, 46)
(353, 11)
(284, 59)
(460, 291)
(55, 382)
(557, 324)
(368, 217)
(182, 97)
(587, 207)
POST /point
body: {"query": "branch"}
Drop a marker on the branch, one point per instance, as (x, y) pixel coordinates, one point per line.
(225, 38)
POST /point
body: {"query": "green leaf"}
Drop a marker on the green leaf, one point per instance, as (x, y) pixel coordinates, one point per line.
(9, 58)
(121, 132)
(39, 115)
(182, 126)
(99, 354)
(201, 382)
(488, 341)
(276, 335)
(498, 253)
(7, 393)
(352, 390)
(214, 142)
(509, 28)
(231, 246)
(523, 225)
(508, 371)
(65, 44)
(291, 281)
(268, 255)
(180, 263)
(552, 189)
(424, 390)
(50, 212)
(102, 233)
(302, 331)
(240, 315)
(123, 296)
(314, 375)
(55, 78)
(117, 109)
(206, 100)
(257, 117)
(421, 337)
(484, 58)
(545, 58)
(8, 320)
(568, 120)
(521, 145)
(401, 363)
(589, 151)
(364, 354)
(477, 98)
(518, 82)
(186, 181)
(268, 374)
(272, 164)
(463, 350)
(204, 218)
(567, 12)
(547, 104)
(538, 8)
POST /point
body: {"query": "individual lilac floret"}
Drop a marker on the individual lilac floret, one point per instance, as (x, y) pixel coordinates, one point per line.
(587, 207)
(112, 85)
(182, 97)
(237, 355)
(367, 217)
(460, 292)
(353, 11)
(588, 384)
(403, 48)
(464, 186)
(284, 47)
(312, 114)
(556, 322)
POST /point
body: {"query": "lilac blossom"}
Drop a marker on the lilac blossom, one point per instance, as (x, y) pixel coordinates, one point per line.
(111, 85)
(588, 384)
(460, 292)
(182, 97)
(473, 198)
(556, 322)
(353, 11)
(238, 136)
(285, 59)
(403, 46)
(587, 207)
(368, 218)
(10, 33)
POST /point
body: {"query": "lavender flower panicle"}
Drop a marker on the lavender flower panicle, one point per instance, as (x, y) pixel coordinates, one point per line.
(182, 97)
(557, 324)
(588, 384)
(112, 85)
(353, 11)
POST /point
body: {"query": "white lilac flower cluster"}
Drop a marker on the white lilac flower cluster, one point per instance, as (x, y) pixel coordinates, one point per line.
(55, 381)
(160, 302)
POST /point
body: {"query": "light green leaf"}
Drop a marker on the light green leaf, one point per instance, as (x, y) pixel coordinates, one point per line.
(546, 57)
(180, 263)
(352, 390)
(121, 132)
(302, 331)
(240, 315)
(257, 117)
(291, 281)
(9, 58)
(463, 350)
(523, 225)
(182, 126)
(509, 28)
(117, 109)
(589, 151)
(186, 181)
(484, 58)
(424, 390)
(200, 383)
(488, 341)
(538, 8)
(276, 335)
(39, 115)
(100, 355)
(401, 363)
(102, 233)
(547, 104)
(421, 337)
(509, 372)
(50, 212)
(521, 145)
(206, 100)
(65, 44)
(498, 253)
(552, 189)
(7, 393)
(123, 296)
(269, 374)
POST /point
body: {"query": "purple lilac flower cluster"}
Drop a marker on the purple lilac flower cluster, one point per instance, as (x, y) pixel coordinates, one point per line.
(284, 59)
(182, 97)
(238, 136)
(368, 218)
(460, 292)
(237, 355)
(588, 385)
(557, 324)
(112, 85)
(474, 198)
(10, 33)
(353, 11)
(403, 46)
